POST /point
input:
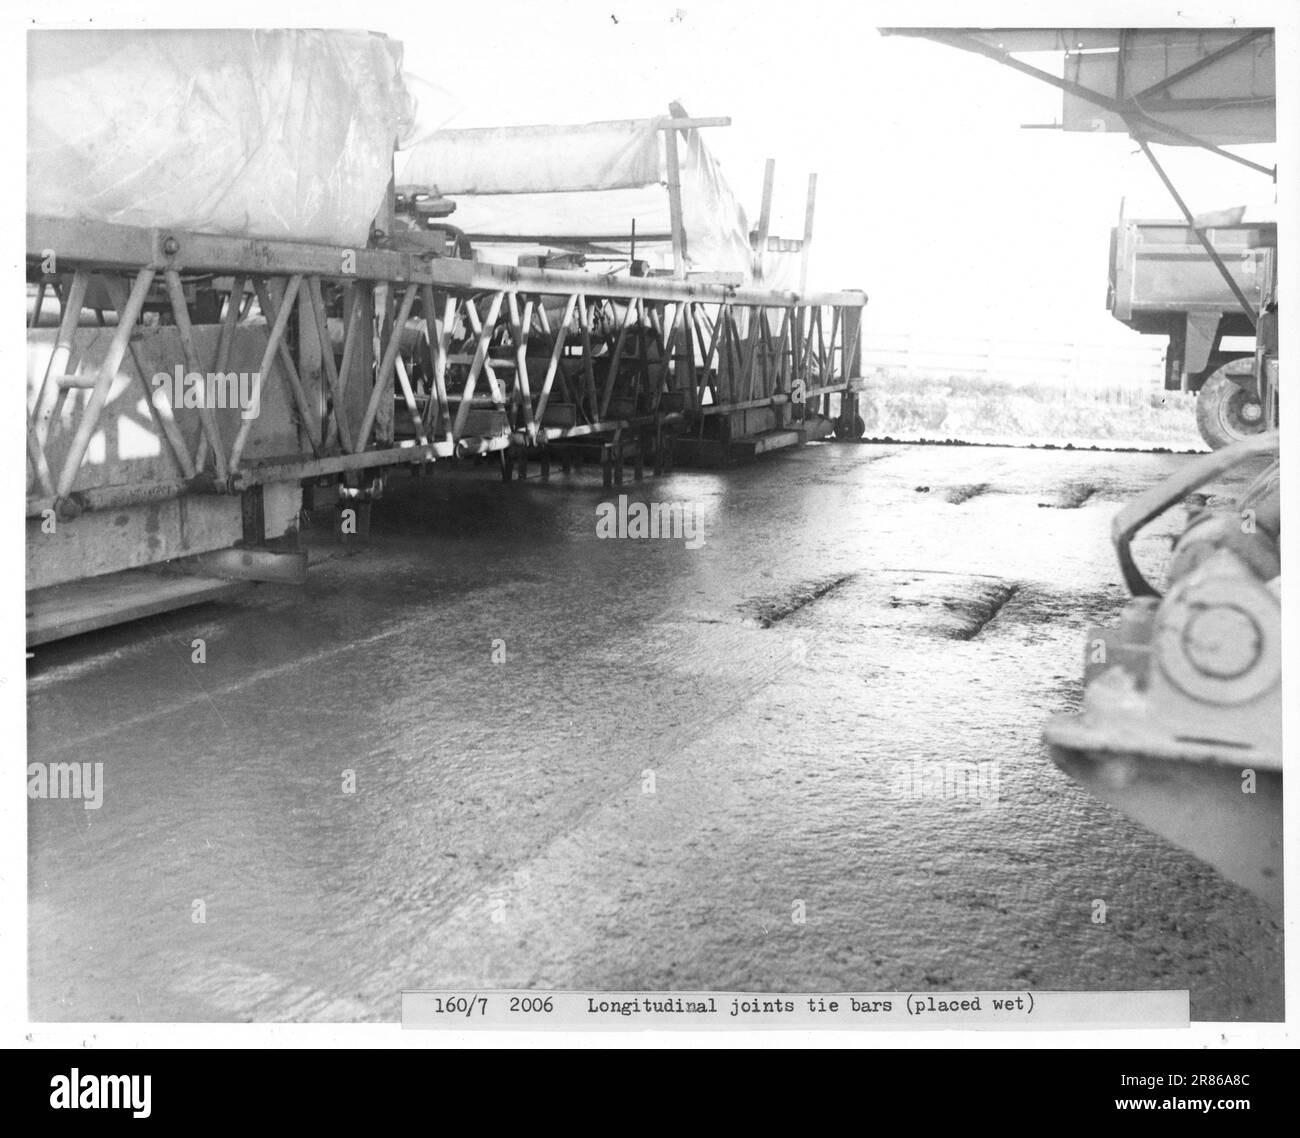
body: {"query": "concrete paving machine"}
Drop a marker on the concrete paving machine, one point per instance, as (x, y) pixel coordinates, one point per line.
(1181, 726)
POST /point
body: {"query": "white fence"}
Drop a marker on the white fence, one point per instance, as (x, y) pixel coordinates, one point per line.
(1017, 361)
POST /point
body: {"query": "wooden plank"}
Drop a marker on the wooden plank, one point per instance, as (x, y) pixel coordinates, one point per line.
(676, 122)
(225, 345)
(129, 246)
(81, 243)
(809, 208)
(408, 396)
(207, 413)
(310, 362)
(760, 361)
(852, 351)
(289, 368)
(519, 326)
(675, 204)
(615, 360)
(779, 375)
(83, 606)
(296, 469)
(667, 349)
(489, 364)
(264, 369)
(689, 332)
(703, 276)
(830, 348)
(764, 218)
(707, 367)
(557, 351)
(480, 356)
(383, 388)
(755, 445)
(321, 323)
(440, 330)
(588, 369)
(357, 371)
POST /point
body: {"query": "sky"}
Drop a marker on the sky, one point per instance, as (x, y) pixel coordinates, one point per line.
(930, 197)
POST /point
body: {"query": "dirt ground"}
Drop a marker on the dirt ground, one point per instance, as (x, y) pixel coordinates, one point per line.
(488, 747)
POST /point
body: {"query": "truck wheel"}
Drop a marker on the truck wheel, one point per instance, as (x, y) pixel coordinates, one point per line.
(1226, 412)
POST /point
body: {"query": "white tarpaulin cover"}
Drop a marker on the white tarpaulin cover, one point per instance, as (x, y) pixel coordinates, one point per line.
(538, 159)
(583, 185)
(273, 134)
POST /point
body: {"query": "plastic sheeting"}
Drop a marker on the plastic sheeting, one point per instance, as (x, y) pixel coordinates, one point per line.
(538, 159)
(584, 186)
(717, 231)
(272, 134)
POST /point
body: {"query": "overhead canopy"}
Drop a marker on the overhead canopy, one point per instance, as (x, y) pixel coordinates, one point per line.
(582, 187)
(1180, 86)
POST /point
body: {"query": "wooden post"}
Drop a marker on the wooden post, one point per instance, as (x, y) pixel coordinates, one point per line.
(385, 302)
(807, 232)
(678, 121)
(311, 364)
(675, 203)
(852, 363)
(764, 218)
(387, 219)
(356, 374)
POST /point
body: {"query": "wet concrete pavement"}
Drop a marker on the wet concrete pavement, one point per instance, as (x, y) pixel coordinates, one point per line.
(683, 751)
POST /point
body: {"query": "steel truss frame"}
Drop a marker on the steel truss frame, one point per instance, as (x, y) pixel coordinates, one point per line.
(621, 353)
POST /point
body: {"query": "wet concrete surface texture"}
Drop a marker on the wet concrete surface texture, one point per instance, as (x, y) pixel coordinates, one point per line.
(490, 747)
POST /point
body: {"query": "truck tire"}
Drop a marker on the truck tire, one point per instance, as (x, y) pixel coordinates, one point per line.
(1227, 412)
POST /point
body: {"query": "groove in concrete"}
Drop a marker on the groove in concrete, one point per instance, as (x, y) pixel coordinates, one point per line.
(772, 610)
(984, 608)
(1071, 496)
(956, 495)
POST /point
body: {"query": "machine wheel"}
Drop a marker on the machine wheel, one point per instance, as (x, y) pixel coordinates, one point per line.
(1226, 412)
(843, 431)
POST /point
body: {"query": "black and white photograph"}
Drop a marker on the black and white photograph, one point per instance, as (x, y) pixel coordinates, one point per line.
(667, 518)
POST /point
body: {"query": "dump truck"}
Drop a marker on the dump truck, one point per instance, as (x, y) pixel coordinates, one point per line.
(1164, 282)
